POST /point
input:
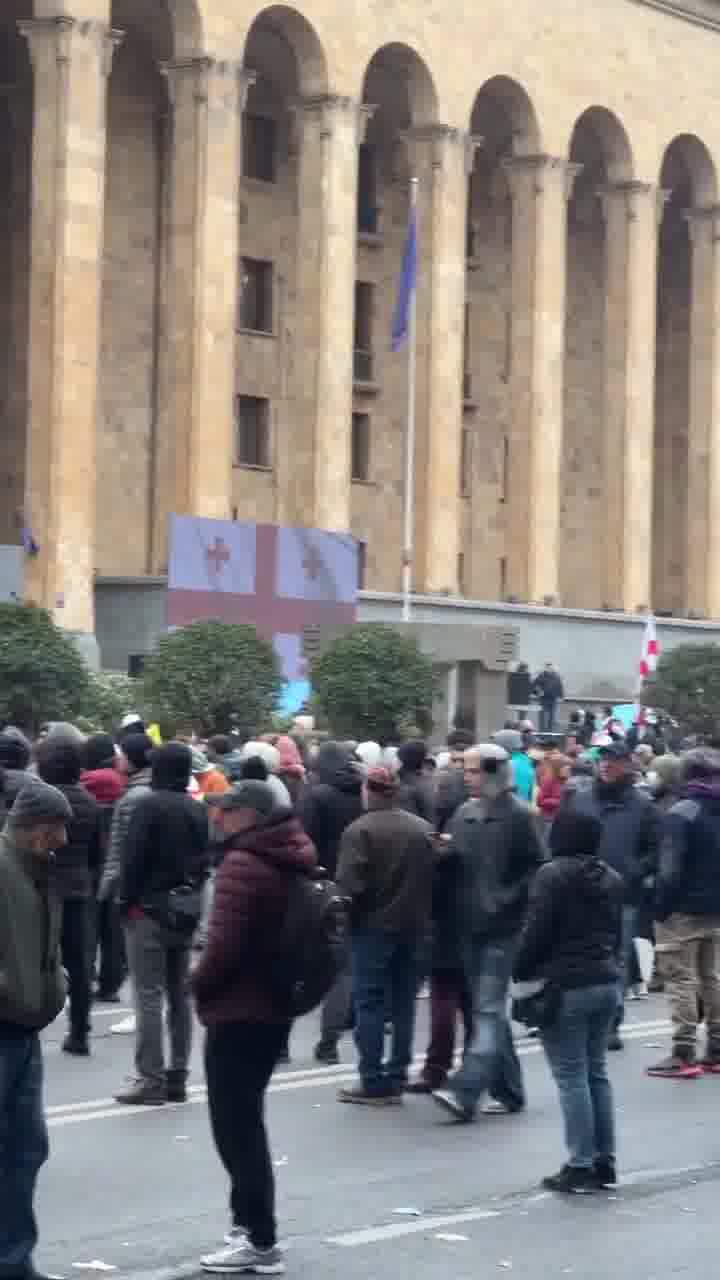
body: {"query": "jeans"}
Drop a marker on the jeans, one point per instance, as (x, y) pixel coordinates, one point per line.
(383, 964)
(75, 953)
(449, 996)
(575, 1045)
(688, 952)
(547, 717)
(239, 1061)
(629, 933)
(159, 965)
(491, 1063)
(23, 1145)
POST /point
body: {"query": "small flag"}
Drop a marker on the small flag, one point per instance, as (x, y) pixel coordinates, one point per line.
(648, 662)
(406, 288)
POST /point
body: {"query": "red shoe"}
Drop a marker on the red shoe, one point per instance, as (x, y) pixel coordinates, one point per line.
(673, 1068)
(711, 1066)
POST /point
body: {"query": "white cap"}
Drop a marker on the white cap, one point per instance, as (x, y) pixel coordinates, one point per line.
(131, 718)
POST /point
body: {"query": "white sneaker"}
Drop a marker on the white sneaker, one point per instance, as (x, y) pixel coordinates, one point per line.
(235, 1235)
(243, 1257)
(127, 1027)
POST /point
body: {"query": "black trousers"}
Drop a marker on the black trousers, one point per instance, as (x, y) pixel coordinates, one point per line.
(110, 941)
(240, 1058)
(75, 958)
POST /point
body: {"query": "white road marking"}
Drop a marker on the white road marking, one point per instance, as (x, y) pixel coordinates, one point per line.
(394, 1230)
(60, 1116)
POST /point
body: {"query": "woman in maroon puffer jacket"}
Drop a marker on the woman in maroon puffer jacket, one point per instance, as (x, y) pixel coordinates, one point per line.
(246, 1026)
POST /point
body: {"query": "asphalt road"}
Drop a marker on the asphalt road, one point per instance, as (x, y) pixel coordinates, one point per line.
(395, 1193)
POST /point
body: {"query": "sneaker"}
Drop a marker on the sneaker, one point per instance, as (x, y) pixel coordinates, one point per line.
(449, 1103)
(362, 1098)
(494, 1107)
(420, 1086)
(176, 1086)
(614, 1042)
(243, 1257)
(605, 1173)
(127, 1027)
(711, 1066)
(327, 1052)
(641, 991)
(142, 1093)
(571, 1181)
(236, 1233)
(76, 1045)
(674, 1068)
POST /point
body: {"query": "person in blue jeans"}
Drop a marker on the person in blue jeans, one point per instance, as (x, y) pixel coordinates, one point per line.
(32, 994)
(496, 840)
(385, 870)
(572, 943)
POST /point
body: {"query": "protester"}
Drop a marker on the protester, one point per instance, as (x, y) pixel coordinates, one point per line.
(106, 785)
(688, 917)
(238, 1002)
(15, 756)
(165, 862)
(32, 993)
(227, 757)
(629, 843)
(548, 689)
(327, 807)
(571, 944)
(78, 865)
(415, 790)
(131, 723)
(271, 758)
(496, 839)
(210, 781)
(450, 788)
(523, 772)
(385, 870)
(555, 774)
(290, 770)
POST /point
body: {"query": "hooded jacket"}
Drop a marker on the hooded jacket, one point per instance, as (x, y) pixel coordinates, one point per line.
(688, 880)
(15, 756)
(331, 803)
(167, 841)
(79, 863)
(573, 930)
(32, 987)
(231, 982)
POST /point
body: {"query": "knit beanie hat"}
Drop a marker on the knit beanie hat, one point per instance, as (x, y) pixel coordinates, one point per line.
(265, 750)
(509, 739)
(37, 802)
(138, 748)
(99, 751)
(248, 794)
(15, 748)
(412, 755)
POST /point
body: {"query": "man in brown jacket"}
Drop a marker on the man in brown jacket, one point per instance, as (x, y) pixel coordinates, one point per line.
(385, 869)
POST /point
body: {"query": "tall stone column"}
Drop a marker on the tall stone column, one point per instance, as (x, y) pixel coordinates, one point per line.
(314, 465)
(632, 213)
(196, 417)
(439, 159)
(71, 63)
(540, 187)
(704, 424)
(703, 227)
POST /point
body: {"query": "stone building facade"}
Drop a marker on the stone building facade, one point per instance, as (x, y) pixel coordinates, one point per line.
(202, 217)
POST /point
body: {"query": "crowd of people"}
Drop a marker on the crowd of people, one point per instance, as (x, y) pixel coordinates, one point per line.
(513, 876)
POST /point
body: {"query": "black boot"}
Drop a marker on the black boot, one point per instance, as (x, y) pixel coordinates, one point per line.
(176, 1086)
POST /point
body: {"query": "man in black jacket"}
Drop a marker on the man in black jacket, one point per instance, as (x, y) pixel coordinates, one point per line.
(415, 792)
(497, 843)
(77, 869)
(688, 913)
(630, 839)
(549, 691)
(331, 802)
(166, 849)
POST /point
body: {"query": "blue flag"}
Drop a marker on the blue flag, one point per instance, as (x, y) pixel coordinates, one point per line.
(406, 288)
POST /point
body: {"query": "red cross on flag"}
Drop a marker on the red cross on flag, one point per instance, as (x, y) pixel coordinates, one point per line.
(648, 661)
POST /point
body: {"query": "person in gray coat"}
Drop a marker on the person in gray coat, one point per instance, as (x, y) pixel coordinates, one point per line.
(135, 762)
(497, 842)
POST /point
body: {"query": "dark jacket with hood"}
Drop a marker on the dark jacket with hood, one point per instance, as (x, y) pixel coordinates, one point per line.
(332, 802)
(688, 880)
(167, 842)
(415, 792)
(252, 884)
(631, 829)
(15, 756)
(573, 930)
(78, 864)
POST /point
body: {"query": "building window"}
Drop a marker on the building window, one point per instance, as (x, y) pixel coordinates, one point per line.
(252, 415)
(256, 295)
(368, 214)
(362, 357)
(360, 447)
(465, 463)
(259, 147)
(361, 563)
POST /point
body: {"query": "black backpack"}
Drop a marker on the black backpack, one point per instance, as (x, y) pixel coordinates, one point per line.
(312, 948)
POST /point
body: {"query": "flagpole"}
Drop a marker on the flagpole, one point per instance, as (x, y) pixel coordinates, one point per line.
(409, 495)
